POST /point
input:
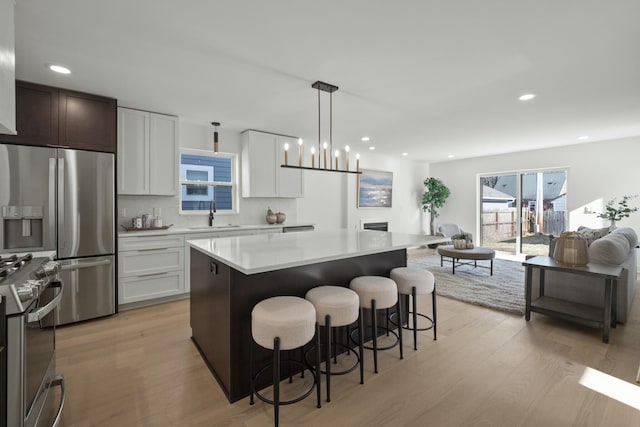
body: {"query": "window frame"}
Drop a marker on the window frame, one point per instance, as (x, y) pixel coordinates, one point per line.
(233, 184)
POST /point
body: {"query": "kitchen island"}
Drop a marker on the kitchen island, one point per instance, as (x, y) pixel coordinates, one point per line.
(230, 275)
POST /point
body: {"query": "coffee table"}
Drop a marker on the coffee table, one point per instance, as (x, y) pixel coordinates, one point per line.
(478, 253)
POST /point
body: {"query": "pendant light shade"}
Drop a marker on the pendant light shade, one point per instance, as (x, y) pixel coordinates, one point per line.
(215, 136)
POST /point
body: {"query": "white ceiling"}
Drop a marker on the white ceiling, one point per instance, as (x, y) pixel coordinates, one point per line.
(428, 77)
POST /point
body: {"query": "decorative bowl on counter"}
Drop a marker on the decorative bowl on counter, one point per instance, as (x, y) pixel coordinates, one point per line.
(280, 217)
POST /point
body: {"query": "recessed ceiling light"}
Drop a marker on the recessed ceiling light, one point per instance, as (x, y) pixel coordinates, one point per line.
(372, 148)
(527, 97)
(59, 69)
(583, 137)
(365, 139)
(451, 156)
(405, 154)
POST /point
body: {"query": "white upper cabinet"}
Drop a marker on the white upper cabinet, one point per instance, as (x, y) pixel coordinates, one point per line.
(147, 153)
(7, 68)
(262, 176)
(163, 155)
(133, 151)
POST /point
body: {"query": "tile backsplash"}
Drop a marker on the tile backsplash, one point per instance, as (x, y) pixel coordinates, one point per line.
(251, 211)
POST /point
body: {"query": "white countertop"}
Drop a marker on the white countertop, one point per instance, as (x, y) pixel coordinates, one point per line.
(268, 252)
(41, 254)
(217, 228)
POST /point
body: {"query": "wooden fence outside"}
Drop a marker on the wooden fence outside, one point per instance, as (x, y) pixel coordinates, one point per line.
(501, 225)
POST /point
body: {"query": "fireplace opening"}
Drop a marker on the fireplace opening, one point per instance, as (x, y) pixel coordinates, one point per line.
(376, 225)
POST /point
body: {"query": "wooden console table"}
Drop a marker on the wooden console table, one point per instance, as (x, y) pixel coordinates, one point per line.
(604, 317)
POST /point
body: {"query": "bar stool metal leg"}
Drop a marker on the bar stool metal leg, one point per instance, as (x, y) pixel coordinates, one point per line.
(433, 304)
(251, 390)
(318, 365)
(327, 363)
(276, 380)
(361, 343)
(415, 318)
(374, 330)
(399, 327)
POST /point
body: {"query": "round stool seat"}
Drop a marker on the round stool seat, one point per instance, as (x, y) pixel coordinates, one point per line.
(406, 278)
(340, 303)
(292, 319)
(381, 289)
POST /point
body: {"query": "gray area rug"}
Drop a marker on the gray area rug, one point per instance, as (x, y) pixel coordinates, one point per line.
(502, 291)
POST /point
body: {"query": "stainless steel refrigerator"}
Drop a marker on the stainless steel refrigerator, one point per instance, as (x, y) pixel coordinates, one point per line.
(63, 200)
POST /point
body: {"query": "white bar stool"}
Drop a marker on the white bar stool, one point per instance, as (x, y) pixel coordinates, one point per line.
(337, 306)
(377, 292)
(283, 323)
(414, 282)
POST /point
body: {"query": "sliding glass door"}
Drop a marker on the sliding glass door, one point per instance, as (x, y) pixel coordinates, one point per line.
(519, 211)
(499, 215)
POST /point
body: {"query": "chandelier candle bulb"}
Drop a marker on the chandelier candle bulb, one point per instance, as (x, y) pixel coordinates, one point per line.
(324, 146)
(337, 155)
(299, 151)
(313, 157)
(286, 153)
(346, 151)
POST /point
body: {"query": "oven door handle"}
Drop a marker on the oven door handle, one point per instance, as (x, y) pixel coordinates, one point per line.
(37, 315)
(58, 380)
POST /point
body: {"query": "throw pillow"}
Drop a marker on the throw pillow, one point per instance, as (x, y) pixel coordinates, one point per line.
(592, 234)
(627, 232)
(612, 249)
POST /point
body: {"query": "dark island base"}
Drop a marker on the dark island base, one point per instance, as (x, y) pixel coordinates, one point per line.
(222, 299)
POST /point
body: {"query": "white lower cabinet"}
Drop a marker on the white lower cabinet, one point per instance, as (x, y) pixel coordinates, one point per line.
(150, 267)
(150, 286)
(158, 266)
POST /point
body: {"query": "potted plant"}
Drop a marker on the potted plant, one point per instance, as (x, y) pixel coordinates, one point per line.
(434, 197)
(616, 210)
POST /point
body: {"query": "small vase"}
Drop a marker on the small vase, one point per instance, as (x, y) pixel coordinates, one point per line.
(612, 226)
(271, 217)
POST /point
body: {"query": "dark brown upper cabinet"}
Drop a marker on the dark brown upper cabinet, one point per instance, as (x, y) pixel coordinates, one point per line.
(49, 116)
(36, 115)
(87, 122)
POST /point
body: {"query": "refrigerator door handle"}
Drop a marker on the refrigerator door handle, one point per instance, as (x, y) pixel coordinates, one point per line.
(85, 265)
(62, 236)
(52, 201)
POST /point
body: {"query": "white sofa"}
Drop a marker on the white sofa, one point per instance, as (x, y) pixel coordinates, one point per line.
(616, 248)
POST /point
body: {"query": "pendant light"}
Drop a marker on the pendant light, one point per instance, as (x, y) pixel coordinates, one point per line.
(325, 151)
(215, 136)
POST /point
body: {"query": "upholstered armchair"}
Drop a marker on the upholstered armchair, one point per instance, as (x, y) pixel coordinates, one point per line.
(448, 230)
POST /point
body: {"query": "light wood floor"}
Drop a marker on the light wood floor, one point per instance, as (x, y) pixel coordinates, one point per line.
(140, 368)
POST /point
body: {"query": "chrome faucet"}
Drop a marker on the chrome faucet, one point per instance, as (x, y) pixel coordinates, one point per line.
(212, 209)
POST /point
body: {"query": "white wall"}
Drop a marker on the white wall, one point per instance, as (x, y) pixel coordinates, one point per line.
(597, 172)
(331, 198)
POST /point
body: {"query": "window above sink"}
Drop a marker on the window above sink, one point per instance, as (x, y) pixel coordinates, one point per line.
(205, 176)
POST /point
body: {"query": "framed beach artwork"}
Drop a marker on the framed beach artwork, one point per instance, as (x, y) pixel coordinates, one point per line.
(375, 189)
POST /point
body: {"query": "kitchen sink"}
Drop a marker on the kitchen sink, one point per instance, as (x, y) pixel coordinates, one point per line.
(213, 227)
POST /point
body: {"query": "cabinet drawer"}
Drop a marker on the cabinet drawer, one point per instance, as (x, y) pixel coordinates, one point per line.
(150, 261)
(142, 288)
(151, 242)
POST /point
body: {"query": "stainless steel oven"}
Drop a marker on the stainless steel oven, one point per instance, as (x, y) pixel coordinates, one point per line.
(31, 376)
